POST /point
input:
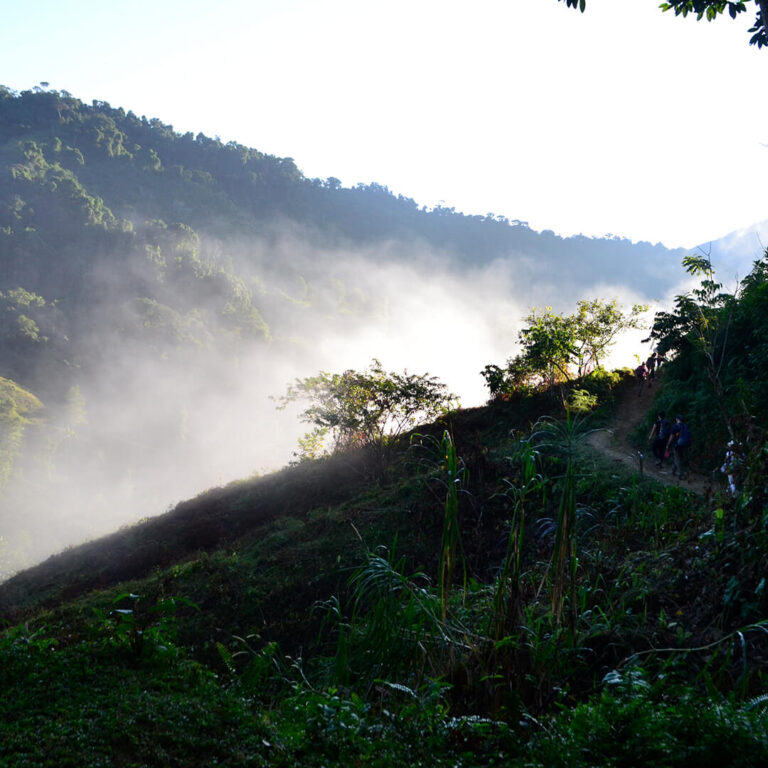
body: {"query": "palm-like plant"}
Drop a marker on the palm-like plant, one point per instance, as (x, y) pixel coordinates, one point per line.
(506, 598)
(563, 440)
(449, 470)
(396, 632)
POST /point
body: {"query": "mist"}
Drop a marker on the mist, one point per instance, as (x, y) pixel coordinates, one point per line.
(155, 426)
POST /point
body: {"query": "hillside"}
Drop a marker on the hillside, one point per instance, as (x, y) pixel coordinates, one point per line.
(507, 585)
(158, 289)
(260, 607)
(618, 441)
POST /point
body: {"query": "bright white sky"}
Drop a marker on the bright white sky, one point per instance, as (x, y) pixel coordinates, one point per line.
(623, 120)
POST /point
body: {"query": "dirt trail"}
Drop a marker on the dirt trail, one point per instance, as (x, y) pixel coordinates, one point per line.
(613, 441)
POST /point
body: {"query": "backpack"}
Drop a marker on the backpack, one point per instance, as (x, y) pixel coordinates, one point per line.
(663, 429)
(684, 436)
(640, 372)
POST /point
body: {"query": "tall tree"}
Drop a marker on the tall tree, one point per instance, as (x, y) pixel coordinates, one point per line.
(597, 325)
(554, 346)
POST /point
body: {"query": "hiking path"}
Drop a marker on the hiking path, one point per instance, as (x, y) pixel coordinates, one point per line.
(613, 441)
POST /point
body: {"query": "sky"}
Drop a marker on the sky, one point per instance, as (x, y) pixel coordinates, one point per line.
(623, 120)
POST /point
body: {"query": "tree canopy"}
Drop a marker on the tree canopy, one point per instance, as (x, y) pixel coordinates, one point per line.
(555, 347)
(370, 407)
(718, 342)
(711, 9)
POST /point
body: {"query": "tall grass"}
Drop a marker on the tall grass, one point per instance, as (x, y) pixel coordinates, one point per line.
(562, 441)
(396, 631)
(449, 471)
(507, 608)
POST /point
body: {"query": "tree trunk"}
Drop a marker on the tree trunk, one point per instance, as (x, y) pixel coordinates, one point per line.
(764, 12)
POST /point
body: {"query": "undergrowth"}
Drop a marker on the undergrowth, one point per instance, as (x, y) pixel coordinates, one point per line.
(505, 600)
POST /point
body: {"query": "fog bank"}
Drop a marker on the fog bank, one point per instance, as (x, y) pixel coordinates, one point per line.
(161, 425)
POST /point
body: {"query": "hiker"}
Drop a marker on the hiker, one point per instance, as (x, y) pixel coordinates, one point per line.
(680, 442)
(732, 466)
(658, 437)
(653, 362)
(641, 373)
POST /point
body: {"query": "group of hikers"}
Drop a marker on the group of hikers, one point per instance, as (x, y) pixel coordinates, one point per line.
(673, 440)
(669, 441)
(647, 371)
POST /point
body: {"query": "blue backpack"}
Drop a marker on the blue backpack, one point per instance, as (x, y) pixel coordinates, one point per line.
(684, 436)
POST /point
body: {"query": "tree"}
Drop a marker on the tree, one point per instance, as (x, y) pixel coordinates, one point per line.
(701, 322)
(548, 344)
(598, 323)
(371, 407)
(17, 409)
(711, 9)
(554, 347)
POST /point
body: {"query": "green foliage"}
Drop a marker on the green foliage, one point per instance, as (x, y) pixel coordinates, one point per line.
(581, 401)
(409, 727)
(396, 631)
(515, 377)
(145, 631)
(563, 441)
(259, 671)
(377, 673)
(716, 374)
(371, 407)
(633, 723)
(507, 606)
(72, 704)
(449, 470)
(311, 445)
(597, 324)
(548, 344)
(710, 9)
(17, 409)
(555, 347)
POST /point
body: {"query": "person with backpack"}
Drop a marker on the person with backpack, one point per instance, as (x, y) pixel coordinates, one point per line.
(680, 442)
(652, 363)
(641, 373)
(658, 437)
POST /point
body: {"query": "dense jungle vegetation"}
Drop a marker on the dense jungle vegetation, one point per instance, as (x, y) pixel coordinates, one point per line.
(481, 589)
(493, 593)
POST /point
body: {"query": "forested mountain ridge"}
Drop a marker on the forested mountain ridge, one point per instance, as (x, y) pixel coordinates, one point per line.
(484, 590)
(143, 269)
(98, 205)
(98, 173)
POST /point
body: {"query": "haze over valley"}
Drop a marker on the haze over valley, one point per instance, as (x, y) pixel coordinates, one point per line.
(159, 290)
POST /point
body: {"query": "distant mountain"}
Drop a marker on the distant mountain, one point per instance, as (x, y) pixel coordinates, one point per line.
(734, 254)
(156, 288)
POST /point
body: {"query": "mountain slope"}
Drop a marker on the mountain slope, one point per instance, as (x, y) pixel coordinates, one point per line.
(249, 615)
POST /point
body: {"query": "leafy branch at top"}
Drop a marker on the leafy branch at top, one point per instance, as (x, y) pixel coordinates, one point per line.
(710, 9)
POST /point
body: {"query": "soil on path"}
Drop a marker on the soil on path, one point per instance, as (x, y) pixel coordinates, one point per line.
(613, 441)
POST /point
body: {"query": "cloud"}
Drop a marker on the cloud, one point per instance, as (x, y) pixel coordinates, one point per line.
(166, 422)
